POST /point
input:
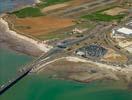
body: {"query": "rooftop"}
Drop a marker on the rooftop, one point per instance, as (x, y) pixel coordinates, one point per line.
(125, 30)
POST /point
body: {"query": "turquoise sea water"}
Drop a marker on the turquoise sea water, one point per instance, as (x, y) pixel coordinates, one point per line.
(10, 63)
(40, 87)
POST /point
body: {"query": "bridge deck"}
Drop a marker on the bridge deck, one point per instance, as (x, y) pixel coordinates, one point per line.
(10, 83)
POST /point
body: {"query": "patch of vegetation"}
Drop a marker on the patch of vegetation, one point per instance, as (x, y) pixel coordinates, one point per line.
(99, 16)
(50, 2)
(87, 25)
(22, 27)
(52, 36)
(36, 11)
(28, 12)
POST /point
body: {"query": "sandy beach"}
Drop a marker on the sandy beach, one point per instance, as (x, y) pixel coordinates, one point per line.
(84, 70)
(20, 42)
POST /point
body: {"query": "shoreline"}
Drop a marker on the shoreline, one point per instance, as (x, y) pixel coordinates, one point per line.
(30, 46)
(19, 8)
(83, 70)
(22, 43)
(38, 47)
(75, 59)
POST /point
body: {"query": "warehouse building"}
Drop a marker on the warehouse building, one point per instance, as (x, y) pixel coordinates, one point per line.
(123, 31)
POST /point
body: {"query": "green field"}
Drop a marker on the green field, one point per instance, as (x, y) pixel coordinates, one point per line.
(28, 12)
(36, 11)
(50, 2)
(99, 16)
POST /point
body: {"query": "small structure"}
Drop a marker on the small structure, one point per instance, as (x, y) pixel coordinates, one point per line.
(122, 32)
(80, 53)
(64, 43)
(76, 30)
(126, 30)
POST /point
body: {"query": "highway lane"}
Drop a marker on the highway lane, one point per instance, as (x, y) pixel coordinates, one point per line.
(28, 68)
(51, 55)
(83, 7)
(91, 37)
(55, 53)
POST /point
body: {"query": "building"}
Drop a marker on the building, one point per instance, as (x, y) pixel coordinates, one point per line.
(123, 31)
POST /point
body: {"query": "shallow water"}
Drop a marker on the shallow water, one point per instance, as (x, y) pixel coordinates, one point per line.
(10, 63)
(10, 5)
(40, 87)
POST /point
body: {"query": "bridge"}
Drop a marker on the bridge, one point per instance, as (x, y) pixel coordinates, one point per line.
(27, 69)
(43, 59)
(13, 81)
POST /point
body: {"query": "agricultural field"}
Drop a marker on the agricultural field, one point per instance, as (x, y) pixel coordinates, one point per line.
(28, 12)
(49, 5)
(50, 2)
(55, 7)
(37, 21)
(36, 10)
(41, 26)
(115, 11)
(101, 16)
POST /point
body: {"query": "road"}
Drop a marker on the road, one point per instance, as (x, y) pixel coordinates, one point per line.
(84, 7)
(57, 52)
(43, 59)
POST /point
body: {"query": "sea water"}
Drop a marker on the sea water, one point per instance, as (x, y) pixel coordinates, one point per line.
(40, 87)
(10, 5)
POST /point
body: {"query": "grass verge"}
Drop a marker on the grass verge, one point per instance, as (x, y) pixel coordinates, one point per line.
(99, 16)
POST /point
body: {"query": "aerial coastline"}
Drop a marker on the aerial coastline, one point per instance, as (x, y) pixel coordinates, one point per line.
(19, 42)
(66, 49)
(36, 47)
(25, 44)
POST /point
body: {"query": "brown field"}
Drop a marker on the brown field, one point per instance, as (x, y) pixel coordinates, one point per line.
(64, 5)
(115, 11)
(44, 25)
(41, 25)
(55, 7)
(112, 56)
(78, 2)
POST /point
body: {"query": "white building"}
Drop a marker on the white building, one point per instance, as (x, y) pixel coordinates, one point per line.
(122, 31)
(80, 53)
(125, 31)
